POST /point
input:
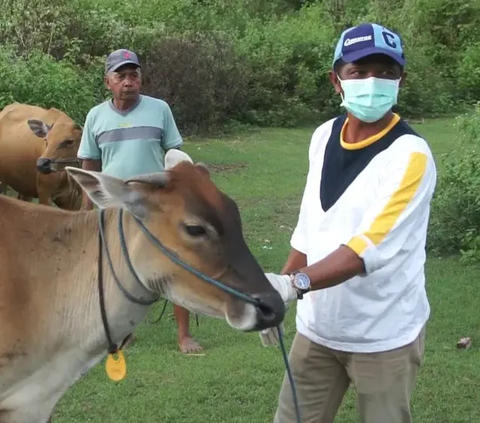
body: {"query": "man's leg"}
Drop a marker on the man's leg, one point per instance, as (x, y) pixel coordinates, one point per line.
(185, 341)
(320, 381)
(385, 381)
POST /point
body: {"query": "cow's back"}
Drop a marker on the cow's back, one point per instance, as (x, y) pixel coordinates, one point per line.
(20, 147)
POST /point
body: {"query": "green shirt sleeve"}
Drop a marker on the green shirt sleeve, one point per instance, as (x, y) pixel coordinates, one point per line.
(171, 136)
(88, 149)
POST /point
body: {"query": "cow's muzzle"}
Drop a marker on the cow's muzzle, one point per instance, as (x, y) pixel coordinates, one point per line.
(44, 165)
(47, 166)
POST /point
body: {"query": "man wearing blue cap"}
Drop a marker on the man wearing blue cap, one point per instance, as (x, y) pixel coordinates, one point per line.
(356, 265)
(129, 135)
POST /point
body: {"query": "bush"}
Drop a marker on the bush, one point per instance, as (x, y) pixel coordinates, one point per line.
(455, 219)
(261, 62)
(288, 62)
(202, 78)
(424, 93)
(469, 72)
(40, 80)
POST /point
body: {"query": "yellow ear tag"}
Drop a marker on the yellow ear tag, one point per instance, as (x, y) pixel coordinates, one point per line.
(116, 367)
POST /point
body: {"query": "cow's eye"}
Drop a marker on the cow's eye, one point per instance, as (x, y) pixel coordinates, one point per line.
(195, 230)
(66, 143)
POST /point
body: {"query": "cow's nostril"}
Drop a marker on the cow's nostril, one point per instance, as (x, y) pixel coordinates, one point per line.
(266, 312)
(270, 310)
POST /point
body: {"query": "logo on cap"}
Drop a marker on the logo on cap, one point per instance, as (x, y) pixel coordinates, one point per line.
(350, 41)
(126, 55)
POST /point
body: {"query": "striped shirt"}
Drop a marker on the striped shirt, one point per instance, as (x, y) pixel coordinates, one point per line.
(130, 142)
(373, 196)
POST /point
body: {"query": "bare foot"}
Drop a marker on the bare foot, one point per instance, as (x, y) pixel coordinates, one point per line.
(189, 345)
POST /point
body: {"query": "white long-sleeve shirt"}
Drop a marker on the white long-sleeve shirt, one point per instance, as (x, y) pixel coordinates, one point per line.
(373, 196)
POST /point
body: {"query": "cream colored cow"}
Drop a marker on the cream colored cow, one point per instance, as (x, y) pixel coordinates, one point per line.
(51, 331)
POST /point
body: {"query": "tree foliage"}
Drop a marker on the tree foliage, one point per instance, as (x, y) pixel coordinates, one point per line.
(261, 62)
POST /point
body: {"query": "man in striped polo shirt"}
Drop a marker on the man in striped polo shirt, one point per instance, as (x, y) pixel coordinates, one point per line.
(129, 135)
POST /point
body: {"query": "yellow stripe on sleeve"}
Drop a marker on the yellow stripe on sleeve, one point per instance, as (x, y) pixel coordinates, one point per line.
(358, 245)
(399, 200)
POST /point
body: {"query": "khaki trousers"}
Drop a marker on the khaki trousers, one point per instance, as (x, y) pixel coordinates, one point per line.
(383, 382)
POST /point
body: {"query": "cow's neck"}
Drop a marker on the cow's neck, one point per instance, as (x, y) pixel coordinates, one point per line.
(50, 286)
(81, 248)
(69, 195)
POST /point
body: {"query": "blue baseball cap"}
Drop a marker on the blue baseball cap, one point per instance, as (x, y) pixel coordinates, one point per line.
(366, 39)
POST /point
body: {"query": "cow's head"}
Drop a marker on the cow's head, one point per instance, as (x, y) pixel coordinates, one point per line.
(184, 209)
(62, 140)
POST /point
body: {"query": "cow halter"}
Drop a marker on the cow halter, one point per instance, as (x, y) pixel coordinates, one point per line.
(112, 346)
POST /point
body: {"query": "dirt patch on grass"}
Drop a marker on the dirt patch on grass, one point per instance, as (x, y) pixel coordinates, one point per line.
(226, 168)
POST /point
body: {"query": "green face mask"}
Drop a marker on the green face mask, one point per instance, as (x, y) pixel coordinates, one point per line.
(369, 99)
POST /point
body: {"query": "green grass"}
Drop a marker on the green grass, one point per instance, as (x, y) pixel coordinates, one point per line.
(238, 380)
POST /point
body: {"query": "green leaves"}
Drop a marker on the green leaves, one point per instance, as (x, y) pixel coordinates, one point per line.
(246, 61)
(455, 222)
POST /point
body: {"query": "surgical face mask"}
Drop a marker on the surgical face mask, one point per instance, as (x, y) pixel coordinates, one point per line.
(369, 99)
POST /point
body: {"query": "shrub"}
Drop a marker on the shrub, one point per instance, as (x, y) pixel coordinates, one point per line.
(201, 77)
(455, 219)
(41, 80)
(288, 62)
(469, 72)
(269, 59)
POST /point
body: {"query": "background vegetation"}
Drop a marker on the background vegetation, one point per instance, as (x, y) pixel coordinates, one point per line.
(225, 63)
(259, 62)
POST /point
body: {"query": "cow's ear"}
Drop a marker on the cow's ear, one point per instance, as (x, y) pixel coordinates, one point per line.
(202, 167)
(39, 127)
(174, 157)
(107, 191)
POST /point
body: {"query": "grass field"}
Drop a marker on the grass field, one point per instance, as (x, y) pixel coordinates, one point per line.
(238, 380)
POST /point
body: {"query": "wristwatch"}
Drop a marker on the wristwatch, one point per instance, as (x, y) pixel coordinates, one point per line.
(301, 283)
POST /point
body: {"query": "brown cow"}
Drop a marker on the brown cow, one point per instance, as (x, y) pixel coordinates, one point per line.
(52, 331)
(35, 146)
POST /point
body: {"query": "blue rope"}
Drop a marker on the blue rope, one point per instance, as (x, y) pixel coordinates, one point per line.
(141, 301)
(290, 376)
(174, 257)
(231, 291)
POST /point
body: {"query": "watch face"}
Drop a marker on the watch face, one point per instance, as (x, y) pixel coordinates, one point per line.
(302, 281)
